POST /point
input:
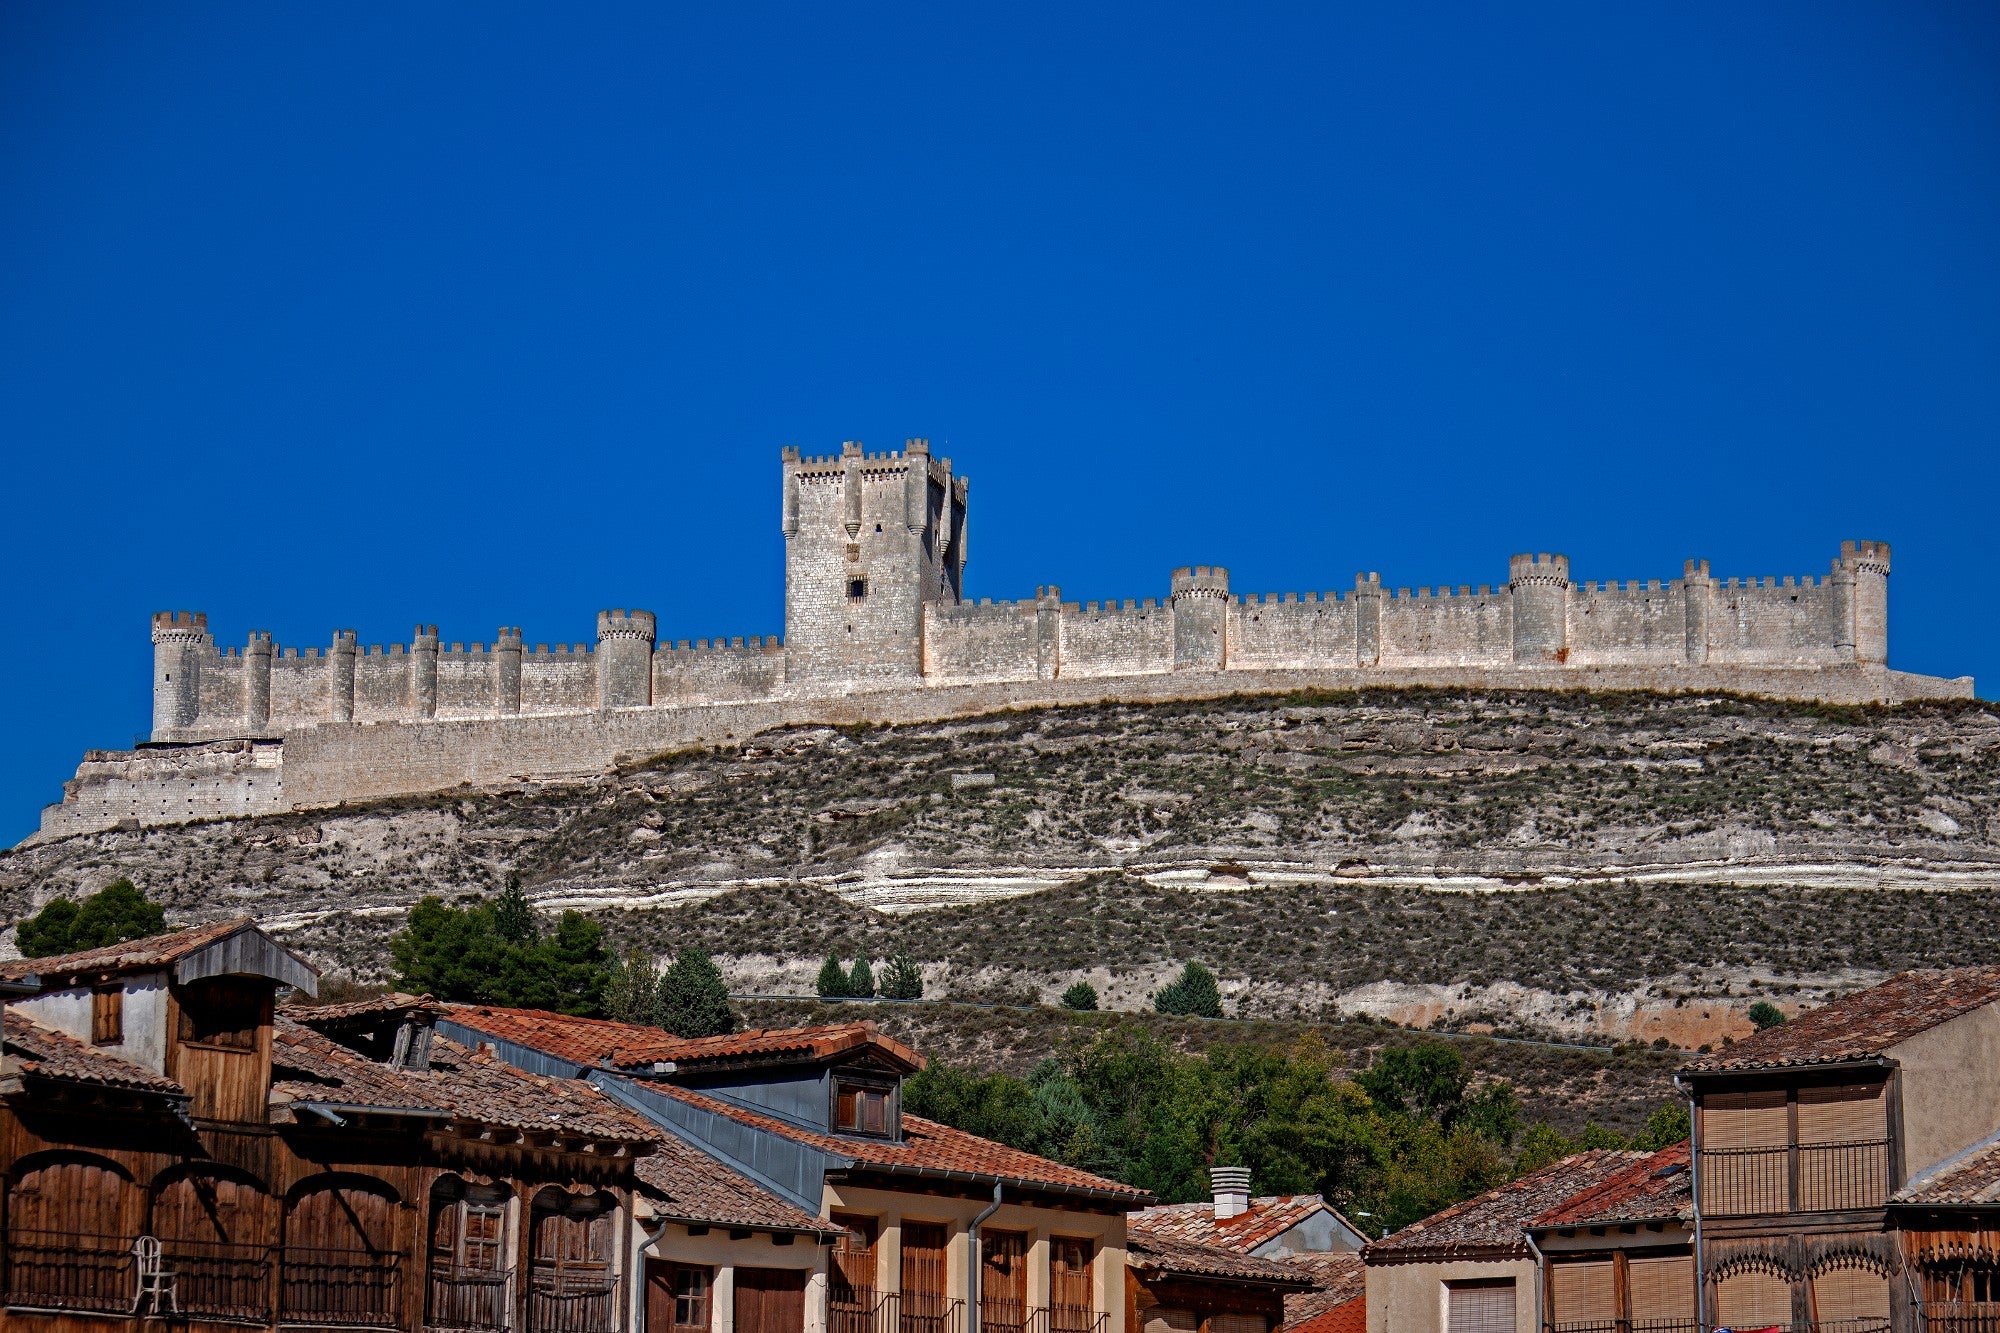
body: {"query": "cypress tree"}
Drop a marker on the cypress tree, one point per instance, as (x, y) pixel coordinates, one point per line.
(861, 981)
(832, 983)
(633, 995)
(513, 916)
(902, 979)
(1193, 993)
(694, 1002)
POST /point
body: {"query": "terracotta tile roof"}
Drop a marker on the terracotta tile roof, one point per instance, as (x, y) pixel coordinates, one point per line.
(601, 1042)
(464, 1084)
(1489, 1225)
(1340, 1276)
(1968, 1179)
(47, 1053)
(685, 1184)
(132, 956)
(1652, 1189)
(1860, 1025)
(1171, 1256)
(395, 1002)
(926, 1147)
(1266, 1219)
(1350, 1316)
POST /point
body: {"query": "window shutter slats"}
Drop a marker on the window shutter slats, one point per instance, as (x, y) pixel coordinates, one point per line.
(1753, 1300)
(1485, 1308)
(1850, 1293)
(1582, 1292)
(1662, 1288)
(1745, 1120)
(1850, 1114)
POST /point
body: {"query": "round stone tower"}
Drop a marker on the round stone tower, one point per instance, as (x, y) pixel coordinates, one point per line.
(180, 641)
(625, 658)
(1540, 584)
(1201, 618)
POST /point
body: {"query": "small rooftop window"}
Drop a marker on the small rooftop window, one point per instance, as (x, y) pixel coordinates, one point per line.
(865, 1107)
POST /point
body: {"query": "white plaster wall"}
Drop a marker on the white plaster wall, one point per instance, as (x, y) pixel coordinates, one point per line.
(145, 1019)
(1409, 1298)
(1951, 1086)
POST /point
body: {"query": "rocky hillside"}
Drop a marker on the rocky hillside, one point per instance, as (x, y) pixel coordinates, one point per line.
(1571, 864)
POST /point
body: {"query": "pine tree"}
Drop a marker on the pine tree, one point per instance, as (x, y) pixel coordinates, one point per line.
(1193, 993)
(633, 994)
(513, 916)
(1082, 996)
(861, 979)
(902, 979)
(694, 1002)
(832, 983)
(115, 913)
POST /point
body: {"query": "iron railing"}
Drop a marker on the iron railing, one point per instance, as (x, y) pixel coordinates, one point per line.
(929, 1312)
(461, 1300)
(220, 1279)
(341, 1289)
(1689, 1325)
(568, 1302)
(1822, 1177)
(60, 1270)
(1018, 1317)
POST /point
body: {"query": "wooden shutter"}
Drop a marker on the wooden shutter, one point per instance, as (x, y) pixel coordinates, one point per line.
(770, 1300)
(1732, 1120)
(1582, 1291)
(340, 1261)
(1163, 1319)
(1753, 1300)
(217, 1234)
(1480, 1307)
(107, 1015)
(923, 1260)
(1662, 1288)
(1850, 1293)
(1072, 1300)
(1843, 1147)
(1003, 1281)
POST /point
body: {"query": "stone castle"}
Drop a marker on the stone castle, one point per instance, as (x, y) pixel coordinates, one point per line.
(877, 628)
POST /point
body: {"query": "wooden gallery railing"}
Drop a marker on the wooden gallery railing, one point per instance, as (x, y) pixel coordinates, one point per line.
(1016, 1317)
(571, 1301)
(49, 1270)
(1804, 1177)
(473, 1300)
(1623, 1326)
(1959, 1316)
(341, 1288)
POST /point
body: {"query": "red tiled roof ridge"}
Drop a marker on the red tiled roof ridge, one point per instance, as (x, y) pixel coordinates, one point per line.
(982, 1157)
(1177, 1254)
(1862, 1024)
(1429, 1232)
(149, 951)
(54, 1054)
(593, 1040)
(1267, 1216)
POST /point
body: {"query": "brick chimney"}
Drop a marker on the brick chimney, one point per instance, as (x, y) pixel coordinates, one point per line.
(1232, 1190)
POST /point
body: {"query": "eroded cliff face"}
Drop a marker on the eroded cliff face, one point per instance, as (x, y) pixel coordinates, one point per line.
(1632, 865)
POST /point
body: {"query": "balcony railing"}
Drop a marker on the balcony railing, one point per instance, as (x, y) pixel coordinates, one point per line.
(861, 1310)
(571, 1302)
(52, 1270)
(468, 1300)
(928, 1312)
(1623, 1326)
(1959, 1316)
(1822, 1177)
(341, 1289)
(1016, 1317)
(219, 1279)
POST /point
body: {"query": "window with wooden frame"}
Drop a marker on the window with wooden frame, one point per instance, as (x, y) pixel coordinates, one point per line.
(107, 1015)
(865, 1107)
(1072, 1294)
(222, 1011)
(677, 1297)
(471, 1273)
(1480, 1306)
(924, 1298)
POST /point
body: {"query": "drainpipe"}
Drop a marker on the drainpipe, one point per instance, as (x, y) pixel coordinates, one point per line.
(1694, 1192)
(973, 1261)
(1541, 1300)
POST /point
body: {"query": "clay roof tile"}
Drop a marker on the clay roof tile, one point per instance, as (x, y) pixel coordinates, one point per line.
(1489, 1225)
(1862, 1025)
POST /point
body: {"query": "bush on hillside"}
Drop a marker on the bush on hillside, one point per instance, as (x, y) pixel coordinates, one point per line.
(115, 913)
(1193, 993)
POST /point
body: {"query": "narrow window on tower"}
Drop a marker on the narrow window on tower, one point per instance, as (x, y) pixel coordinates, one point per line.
(857, 588)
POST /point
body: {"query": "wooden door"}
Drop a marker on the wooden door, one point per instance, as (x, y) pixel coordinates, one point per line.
(677, 1297)
(1003, 1281)
(70, 1227)
(1072, 1299)
(770, 1300)
(924, 1300)
(470, 1278)
(573, 1287)
(219, 1235)
(851, 1298)
(222, 1048)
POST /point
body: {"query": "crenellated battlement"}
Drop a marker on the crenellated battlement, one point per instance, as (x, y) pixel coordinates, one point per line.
(620, 624)
(1543, 569)
(1201, 581)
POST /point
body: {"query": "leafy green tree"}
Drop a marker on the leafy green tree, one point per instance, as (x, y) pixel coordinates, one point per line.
(832, 982)
(632, 994)
(694, 1002)
(459, 954)
(1766, 1015)
(1082, 997)
(861, 979)
(1426, 1081)
(115, 913)
(1193, 993)
(902, 979)
(1666, 1126)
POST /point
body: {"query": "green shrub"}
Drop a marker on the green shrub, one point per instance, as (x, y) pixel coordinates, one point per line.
(1081, 997)
(1193, 993)
(115, 913)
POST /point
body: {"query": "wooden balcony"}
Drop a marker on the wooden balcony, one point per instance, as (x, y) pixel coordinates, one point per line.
(572, 1302)
(341, 1289)
(468, 1300)
(1959, 1317)
(1015, 1317)
(63, 1271)
(1794, 1178)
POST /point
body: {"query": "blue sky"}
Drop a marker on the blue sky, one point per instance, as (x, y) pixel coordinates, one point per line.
(499, 314)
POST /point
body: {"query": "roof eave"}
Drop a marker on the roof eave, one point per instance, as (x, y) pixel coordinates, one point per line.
(1738, 1071)
(1135, 1198)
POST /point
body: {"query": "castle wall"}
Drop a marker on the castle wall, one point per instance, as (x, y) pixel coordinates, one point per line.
(169, 785)
(983, 641)
(1116, 639)
(1446, 628)
(718, 671)
(1637, 622)
(1291, 630)
(559, 679)
(466, 681)
(1774, 621)
(301, 695)
(382, 684)
(219, 682)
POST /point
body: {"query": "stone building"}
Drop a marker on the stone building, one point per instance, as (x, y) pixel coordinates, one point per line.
(877, 627)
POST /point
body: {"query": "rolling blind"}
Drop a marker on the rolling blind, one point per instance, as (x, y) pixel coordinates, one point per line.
(1163, 1319)
(1855, 1113)
(1850, 1293)
(1228, 1322)
(1480, 1307)
(1753, 1300)
(1732, 1120)
(1662, 1288)
(1581, 1292)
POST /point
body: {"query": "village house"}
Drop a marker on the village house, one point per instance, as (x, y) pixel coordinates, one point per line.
(1469, 1268)
(1619, 1256)
(1301, 1231)
(1818, 1141)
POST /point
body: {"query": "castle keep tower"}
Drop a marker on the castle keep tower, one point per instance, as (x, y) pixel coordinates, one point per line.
(1201, 618)
(624, 659)
(869, 539)
(1540, 585)
(180, 641)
